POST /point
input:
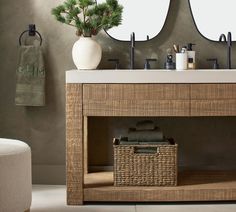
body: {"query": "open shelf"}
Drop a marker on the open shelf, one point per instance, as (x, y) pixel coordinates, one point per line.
(192, 186)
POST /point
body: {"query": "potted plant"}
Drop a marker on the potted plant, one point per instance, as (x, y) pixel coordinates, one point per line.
(89, 18)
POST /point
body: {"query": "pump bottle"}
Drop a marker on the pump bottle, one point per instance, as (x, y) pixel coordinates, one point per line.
(191, 53)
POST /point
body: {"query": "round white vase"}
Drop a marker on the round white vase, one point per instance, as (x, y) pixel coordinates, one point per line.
(86, 53)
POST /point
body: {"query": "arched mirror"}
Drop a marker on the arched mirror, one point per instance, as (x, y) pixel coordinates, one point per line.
(144, 18)
(212, 18)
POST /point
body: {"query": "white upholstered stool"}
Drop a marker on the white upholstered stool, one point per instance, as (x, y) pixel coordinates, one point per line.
(15, 176)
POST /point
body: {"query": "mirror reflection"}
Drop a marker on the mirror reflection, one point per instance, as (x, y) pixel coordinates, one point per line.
(145, 18)
(212, 18)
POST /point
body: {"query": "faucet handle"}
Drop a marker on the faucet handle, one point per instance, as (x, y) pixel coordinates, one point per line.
(116, 61)
(215, 64)
(147, 64)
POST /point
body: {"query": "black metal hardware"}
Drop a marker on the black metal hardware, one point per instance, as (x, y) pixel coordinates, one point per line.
(215, 64)
(31, 32)
(117, 62)
(229, 44)
(147, 64)
(132, 46)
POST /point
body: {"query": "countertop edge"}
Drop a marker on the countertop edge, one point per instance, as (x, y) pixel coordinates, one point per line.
(150, 76)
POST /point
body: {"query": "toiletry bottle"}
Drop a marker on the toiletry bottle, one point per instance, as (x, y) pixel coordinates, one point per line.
(191, 64)
(169, 64)
(191, 53)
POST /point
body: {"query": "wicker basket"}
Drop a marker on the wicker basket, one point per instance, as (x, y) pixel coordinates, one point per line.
(134, 168)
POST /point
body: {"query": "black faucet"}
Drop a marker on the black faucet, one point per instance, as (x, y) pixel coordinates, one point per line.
(132, 46)
(229, 44)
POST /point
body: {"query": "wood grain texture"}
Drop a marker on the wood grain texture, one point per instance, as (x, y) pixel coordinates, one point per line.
(193, 186)
(74, 144)
(143, 100)
(136, 91)
(225, 107)
(136, 100)
(213, 100)
(212, 91)
(85, 142)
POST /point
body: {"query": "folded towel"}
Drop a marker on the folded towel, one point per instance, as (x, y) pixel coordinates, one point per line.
(144, 143)
(145, 135)
(145, 125)
(30, 77)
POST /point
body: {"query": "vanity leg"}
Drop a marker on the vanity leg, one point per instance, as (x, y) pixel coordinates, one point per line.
(85, 144)
(74, 144)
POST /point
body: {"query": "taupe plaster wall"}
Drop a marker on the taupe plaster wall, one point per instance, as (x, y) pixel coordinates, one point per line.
(43, 128)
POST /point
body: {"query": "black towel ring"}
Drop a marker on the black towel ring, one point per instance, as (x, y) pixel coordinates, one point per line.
(32, 32)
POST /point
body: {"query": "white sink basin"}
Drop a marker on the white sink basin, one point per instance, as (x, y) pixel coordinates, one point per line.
(152, 76)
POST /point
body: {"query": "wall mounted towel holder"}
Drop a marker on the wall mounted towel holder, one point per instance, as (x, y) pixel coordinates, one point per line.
(31, 32)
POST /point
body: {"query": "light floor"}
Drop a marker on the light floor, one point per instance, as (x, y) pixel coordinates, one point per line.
(48, 198)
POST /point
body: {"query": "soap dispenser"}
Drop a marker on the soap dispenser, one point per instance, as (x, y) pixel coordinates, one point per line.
(191, 53)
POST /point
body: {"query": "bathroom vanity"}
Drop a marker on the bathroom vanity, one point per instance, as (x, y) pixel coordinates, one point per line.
(141, 93)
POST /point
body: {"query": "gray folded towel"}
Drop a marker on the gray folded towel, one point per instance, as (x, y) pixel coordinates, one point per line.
(30, 77)
(145, 125)
(145, 135)
(144, 143)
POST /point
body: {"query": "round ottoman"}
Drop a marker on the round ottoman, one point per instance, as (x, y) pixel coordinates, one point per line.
(15, 176)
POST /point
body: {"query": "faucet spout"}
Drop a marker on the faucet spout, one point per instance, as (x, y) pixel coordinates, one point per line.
(228, 40)
(132, 47)
(222, 38)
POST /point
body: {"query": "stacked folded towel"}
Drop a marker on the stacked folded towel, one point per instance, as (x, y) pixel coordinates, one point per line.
(145, 133)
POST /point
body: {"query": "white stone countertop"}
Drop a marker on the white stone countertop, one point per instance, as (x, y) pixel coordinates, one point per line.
(151, 76)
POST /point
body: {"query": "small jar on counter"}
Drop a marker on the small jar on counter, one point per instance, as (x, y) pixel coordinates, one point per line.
(191, 64)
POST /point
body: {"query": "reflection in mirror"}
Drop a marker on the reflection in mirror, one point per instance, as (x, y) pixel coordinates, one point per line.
(212, 18)
(144, 18)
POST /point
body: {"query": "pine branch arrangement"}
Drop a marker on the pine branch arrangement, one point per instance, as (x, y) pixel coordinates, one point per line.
(89, 17)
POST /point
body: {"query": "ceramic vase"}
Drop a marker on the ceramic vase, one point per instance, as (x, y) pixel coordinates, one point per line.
(86, 53)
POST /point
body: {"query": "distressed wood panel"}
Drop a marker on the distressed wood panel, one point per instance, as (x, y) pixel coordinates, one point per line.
(225, 107)
(213, 91)
(136, 91)
(136, 100)
(213, 100)
(74, 144)
(85, 142)
(192, 186)
(137, 108)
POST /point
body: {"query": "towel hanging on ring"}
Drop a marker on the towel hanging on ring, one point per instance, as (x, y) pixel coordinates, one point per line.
(30, 76)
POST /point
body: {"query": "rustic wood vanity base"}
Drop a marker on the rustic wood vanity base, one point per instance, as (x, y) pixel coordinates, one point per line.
(143, 100)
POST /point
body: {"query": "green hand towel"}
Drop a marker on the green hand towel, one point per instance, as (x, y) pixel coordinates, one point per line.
(30, 77)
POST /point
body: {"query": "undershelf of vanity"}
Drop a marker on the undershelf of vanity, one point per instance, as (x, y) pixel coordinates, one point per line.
(192, 186)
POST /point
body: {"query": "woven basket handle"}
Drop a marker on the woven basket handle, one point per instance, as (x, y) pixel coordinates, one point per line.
(146, 150)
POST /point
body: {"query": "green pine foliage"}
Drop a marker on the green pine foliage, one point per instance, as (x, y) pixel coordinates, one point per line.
(88, 16)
